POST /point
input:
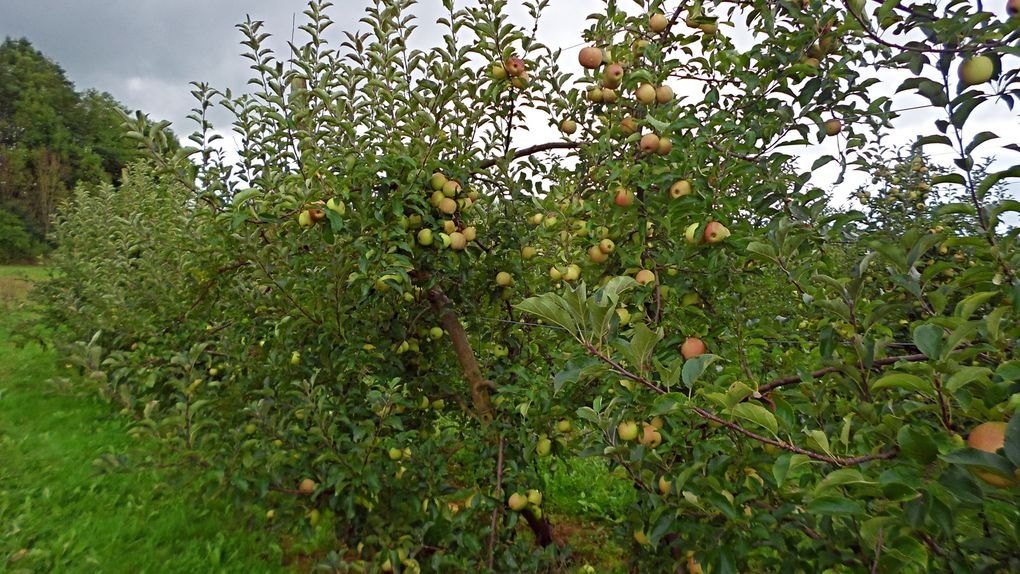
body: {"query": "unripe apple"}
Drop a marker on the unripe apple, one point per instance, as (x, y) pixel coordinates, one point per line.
(527, 252)
(536, 219)
(520, 82)
(649, 143)
(437, 181)
(517, 502)
(595, 95)
(691, 234)
(395, 453)
(250, 428)
(573, 273)
(336, 206)
(976, 70)
(680, 189)
(607, 246)
(645, 94)
(305, 219)
(596, 255)
(650, 436)
(609, 96)
(590, 57)
(612, 76)
(543, 446)
(709, 28)
(425, 237)
(504, 279)
(664, 485)
(628, 126)
(628, 430)
(555, 274)
(451, 188)
(498, 72)
(515, 67)
(457, 241)
(436, 333)
(665, 146)
(645, 276)
(624, 197)
(307, 486)
(813, 62)
(470, 233)
(663, 94)
(449, 226)
(641, 538)
(833, 126)
(535, 497)
(692, 347)
(295, 358)
(564, 426)
(624, 316)
(658, 23)
(568, 127)
(716, 232)
(436, 197)
(448, 206)
(550, 221)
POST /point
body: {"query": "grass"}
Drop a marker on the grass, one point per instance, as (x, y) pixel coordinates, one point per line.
(79, 494)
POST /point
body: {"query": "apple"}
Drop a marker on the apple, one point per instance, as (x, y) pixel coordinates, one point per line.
(649, 143)
(645, 276)
(641, 538)
(715, 232)
(449, 226)
(543, 446)
(573, 273)
(639, 45)
(595, 95)
(692, 347)
(457, 241)
(470, 233)
(690, 299)
(535, 497)
(517, 502)
(436, 333)
(305, 219)
(515, 67)
(813, 62)
(624, 315)
(555, 273)
(564, 426)
(295, 358)
(609, 96)
(663, 94)
(590, 57)
(623, 197)
(665, 146)
(650, 436)
(596, 255)
(568, 127)
(527, 252)
(680, 189)
(709, 27)
(448, 206)
(435, 198)
(437, 181)
(250, 428)
(628, 430)
(833, 126)
(307, 486)
(976, 70)
(498, 72)
(628, 126)
(335, 206)
(691, 234)
(451, 188)
(550, 221)
(1012, 7)
(989, 437)
(536, 219)
(607, 246)
(664, 485)
(425, 237)
(504, 279)
(520, 82)
(612, 76)
(645, 94)
(658, 23)
(395, 453)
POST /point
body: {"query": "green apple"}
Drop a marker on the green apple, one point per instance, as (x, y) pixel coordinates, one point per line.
(645, 94)
(543, 446)
(976, 70)
(395, 453)
(504, 279)
(573, 273)
(628, 430)
(295, 358)
(564, 426)
(691, 234)
(336, 206)
(437, 182)
(534, 497)
(527, 252)
(305, 219)
(436, 333)
(425, 237)
(517, 502)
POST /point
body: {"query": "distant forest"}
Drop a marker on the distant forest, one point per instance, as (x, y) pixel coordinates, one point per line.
(51, 139)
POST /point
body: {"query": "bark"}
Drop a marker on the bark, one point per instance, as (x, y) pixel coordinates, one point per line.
(480, 387)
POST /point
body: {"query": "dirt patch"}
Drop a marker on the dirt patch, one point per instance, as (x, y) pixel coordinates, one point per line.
(12, 288)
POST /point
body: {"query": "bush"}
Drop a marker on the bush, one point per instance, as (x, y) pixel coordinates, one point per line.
(16, 243)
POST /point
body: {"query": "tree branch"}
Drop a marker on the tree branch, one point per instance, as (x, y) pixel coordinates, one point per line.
(465, 355)
(530, 151)
(794, 379)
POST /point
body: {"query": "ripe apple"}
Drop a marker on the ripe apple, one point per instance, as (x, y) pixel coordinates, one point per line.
(448, 206)
(645, 94)
(990, 437)
(517, 502)
(527, 252)
(590, 57)
(564, 426)
(658, 23)
(663, 94)
(716, 232)
(543, 446)
(649, 143)
(665, 146)
(435, 198)
(691, 234)
(305, 219)
(624, 197)
(470, 233)
(628, 430)
(535, 497)
(628, 126)
(607, 246)
(596, 255)
(437, 181)
(449, 226)
(650, 436)
(504, 279)
(573, 273)
(568, 127)
(307, 486)
(457, 241)
(515, 67)
(976, 70)
(833, 126)
(645, 276)
(692, 347)
(612, 76)
(680, 189)
(425, 237)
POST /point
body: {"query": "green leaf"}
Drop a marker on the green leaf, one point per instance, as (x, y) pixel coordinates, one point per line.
(973, 458)
(966, 376)
(902, 381)
(835, 505)
(642, 344)
(759, 415)
(552, 308)
(966, 307)
(1012, 447)
(842, 477)
(928, 338)
(916, 445)
(694, 368)
(818, 439)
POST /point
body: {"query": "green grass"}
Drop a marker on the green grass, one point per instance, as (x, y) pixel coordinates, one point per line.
(78, 493)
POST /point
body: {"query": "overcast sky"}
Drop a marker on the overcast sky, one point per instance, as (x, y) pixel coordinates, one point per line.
(146, 52)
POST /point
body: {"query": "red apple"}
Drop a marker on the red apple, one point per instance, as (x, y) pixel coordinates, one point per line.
(692, 347)
(590, 57)
(715, 232)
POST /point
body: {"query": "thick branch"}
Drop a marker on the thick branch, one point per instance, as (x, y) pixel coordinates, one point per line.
(540, 526)
(531, 151)
(465, 355)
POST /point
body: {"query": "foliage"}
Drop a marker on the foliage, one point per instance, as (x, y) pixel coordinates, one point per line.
(309, 313)
(16, 244)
